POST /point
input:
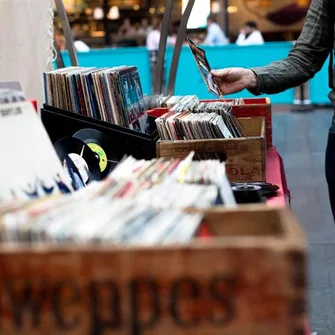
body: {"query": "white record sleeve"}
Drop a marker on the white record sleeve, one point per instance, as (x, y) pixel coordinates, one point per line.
(28, 157)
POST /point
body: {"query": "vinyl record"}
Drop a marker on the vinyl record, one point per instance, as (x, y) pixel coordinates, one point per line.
(247, 194)
(98, 143)
(81, 155)
(267, 189)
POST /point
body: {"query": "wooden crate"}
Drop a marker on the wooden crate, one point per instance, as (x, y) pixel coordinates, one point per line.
(256, 107)
(248, 279)
(246, 157)
(251, 107)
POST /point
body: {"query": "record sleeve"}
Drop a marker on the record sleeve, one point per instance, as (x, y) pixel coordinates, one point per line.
(204, 67)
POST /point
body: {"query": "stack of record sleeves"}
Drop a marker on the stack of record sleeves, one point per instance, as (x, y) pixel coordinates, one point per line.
(141, 202)
(95, 220)
(188, 120)
(170, 101)
(112, 95)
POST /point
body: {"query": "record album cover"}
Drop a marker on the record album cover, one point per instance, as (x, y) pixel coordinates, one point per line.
(30, 166)
(204, 67)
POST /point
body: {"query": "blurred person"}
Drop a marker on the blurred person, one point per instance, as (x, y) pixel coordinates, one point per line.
(250, 35)
(145, 27)
(172, 37)
(126, 30)
(152, 43)
(307, 57)
(154, 35)
(143, 31)
(215, 35)
(60, 40)
(78, 43)
(81, 46)
(137, 26)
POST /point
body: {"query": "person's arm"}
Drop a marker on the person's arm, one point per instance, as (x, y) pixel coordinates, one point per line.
(306, 58)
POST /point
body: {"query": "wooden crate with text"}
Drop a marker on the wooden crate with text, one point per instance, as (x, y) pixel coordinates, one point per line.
(249, 278)
(245, 157)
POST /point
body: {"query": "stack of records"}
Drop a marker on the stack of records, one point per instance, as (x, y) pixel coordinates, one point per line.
(141, 203)
(197, 126)
(171, 172)
(190, 119)
(97, 220)
(112, 95)
(178, 101)
(190, 126)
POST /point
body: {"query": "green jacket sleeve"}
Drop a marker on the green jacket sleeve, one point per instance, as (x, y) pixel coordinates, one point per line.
(305, 59)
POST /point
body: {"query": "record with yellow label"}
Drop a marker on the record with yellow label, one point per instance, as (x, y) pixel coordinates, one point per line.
(98, 143)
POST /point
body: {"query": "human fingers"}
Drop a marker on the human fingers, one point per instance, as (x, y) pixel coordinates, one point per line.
(220, 73)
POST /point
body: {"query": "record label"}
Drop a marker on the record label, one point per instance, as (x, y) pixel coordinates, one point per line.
(100, 146)
(103, 163)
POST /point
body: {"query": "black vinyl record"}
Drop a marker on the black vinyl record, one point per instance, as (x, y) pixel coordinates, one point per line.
(98, 143)
(82, 156)
(266, 189)
(247, 194)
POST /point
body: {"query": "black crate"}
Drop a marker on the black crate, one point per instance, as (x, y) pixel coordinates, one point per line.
(122, 141)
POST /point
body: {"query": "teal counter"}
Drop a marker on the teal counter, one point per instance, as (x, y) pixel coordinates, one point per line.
(189, 80)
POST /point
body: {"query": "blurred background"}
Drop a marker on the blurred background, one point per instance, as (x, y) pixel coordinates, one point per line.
(277, 20)
(118, 32)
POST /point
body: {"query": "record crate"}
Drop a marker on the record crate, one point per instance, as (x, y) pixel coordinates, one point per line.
(122, 141)
(250, 107)
(249, 277)
(245, 157)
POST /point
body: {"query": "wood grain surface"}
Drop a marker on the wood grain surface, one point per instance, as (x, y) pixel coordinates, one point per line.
(248, 279)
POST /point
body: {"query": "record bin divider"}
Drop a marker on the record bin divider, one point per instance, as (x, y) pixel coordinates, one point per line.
(249, 277)
(122, 141)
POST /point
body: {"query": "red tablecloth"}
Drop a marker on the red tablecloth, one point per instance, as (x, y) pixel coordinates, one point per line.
(275, 174)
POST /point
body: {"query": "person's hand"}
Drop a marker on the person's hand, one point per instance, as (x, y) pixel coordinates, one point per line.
(233, 80)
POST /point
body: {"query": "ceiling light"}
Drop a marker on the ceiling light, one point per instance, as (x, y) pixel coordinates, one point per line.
(232, 9)
(114, 13)
(98, 13)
